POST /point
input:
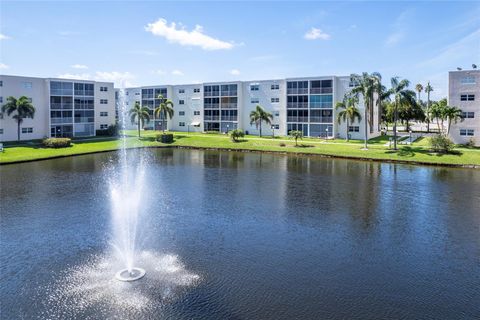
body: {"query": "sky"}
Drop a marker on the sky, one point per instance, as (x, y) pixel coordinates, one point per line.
(134, 43)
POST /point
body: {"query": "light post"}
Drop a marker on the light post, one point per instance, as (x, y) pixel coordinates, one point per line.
(326, 135)
(273, 130)
(227, 128)
(410, 132)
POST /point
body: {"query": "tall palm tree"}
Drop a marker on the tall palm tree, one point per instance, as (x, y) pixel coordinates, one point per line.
(401, 97)
(259, 115)
(350, 112)
(22, 106)
(419, 89)
(140, 115)
(164, 109)
(383, 97)
(428, 89)
(367, 85)
(452, 114)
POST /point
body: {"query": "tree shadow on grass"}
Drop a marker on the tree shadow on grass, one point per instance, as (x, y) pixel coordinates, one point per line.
(411, 151)
(240, 141)
(302, 145)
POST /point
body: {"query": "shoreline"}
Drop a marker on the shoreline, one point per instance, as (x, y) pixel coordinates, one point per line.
(408, 162)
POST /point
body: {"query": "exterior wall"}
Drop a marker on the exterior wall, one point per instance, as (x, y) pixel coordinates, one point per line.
(192, 108)
(460, 83)
(267, 90)
(52, 114)
(17, 87)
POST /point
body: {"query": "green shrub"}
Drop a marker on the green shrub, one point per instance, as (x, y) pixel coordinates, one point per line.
(282, 144)
(111, 131)
(165, 137)
(470, 143)
(236, 134)
(57, 142)
(441, 143)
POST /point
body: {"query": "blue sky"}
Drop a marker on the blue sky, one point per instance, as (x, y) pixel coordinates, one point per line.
(137, 44)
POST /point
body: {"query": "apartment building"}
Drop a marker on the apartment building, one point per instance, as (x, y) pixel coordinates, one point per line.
(305, 104)
(63, 107)
(464, 93)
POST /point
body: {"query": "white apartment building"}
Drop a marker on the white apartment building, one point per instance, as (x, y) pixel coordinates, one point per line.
(464, 93)
(305, 104)
(63, 107)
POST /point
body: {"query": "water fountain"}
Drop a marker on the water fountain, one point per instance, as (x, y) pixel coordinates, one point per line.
(126, 196)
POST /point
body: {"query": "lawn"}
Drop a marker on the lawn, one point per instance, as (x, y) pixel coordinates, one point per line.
(417, 152)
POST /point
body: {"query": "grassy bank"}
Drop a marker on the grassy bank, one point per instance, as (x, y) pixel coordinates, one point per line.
(417, 152)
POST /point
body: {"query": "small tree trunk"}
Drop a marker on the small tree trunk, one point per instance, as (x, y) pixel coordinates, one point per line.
(395, 127)
(18, 130)
(138, 125)
(346, 137)
(366, 127)
(260, 128)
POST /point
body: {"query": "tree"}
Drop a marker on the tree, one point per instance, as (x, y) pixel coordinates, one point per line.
(383, 97)
(453, 114)
(419, 89)
(428, 89)
(22, 106)
(411, 110)
(236, 134)
(140, 115)
(349, 112)
(164, 109)
(296, 134)
(367, 85)
(401, 97)
(259, 115)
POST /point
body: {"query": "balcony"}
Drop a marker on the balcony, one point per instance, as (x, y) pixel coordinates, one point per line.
(211, 106)
(211, 94)
(229, 118)
(61, 106)
(297, 105)
(321, 90)
(61, 120)
(212, 118)
(230, 93)
(297, 119)
(321, 119)
(297, 91)
(229, 105)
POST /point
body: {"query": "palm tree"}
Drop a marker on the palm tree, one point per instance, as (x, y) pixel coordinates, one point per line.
(296, 134)
(401, 97)
(164, 109)
(428, 89)
(367, 85)
(453, 114)
(349, 112)
(22, 106)
(259, 115)
(437, 112)
(383, 97)
(140, 115)
(419, 89)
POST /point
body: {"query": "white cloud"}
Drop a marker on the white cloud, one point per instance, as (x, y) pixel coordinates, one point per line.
(315, 33)
(3, 66)
(79, 66)
(180, 35)
(235, 72)
(120, 79)
(399, 29)
(159, 72)
(4, 37)
(177, 73)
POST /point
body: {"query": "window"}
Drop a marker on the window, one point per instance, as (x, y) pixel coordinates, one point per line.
(275, 100)
(276, 126)
(104, 89)
(181, 101)
(103, 101)
(275, 87)
(103, 126)
(181, 90)
(27, 85)
(196, 113)
(30, 100)
(1, 131)
(196, 90)
(1, 115)
(181, 124)
(468, 115)
(27, 130)
(468, 80)
(254, 87)
(104, 114)
(1, 83)
(1, 99)
(353, 129)
(467, 132)
(276, 113)
(181, 113)
(467, 97)
(136, 93)
(254, 100)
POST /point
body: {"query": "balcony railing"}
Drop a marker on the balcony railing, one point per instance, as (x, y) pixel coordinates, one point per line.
(321, 119)
(84, 93)
(57, 106)
(297, 119)
(229, 105)
(212, 118)
(211, 106)
(297, 91)
(84, 119)
(320, 90)
(297, 105)
(229, 93)
(61, 120)
(229, 118)
(211, 93)
(147, 96)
